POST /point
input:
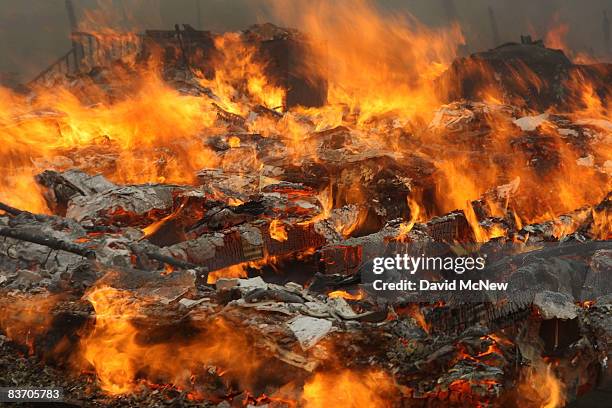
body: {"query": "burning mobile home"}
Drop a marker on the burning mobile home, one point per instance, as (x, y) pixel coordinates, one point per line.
(190, 218)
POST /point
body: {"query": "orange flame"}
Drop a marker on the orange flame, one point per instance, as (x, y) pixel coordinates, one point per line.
(381, 63)
(123, 132)
(236, 64)
(541, 388)
(240, 270)
(155, 226)
(481, 234)
(346, 295)
(23, 318)
(555, 37)
(233, 271)
(349, 389)
(602, 224)
(122, 357)
(380, 83)
(278, 231)
(415, 215)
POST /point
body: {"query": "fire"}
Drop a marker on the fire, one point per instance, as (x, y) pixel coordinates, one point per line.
(278, 231)
(383, 66)
(349, 388)
(586, 304)
(233, 271)
(155, 226)
(125, 131)
(346, 295)
(150, 133)
(555, 37)
(269, 96)
(415, 215)
(24, 318)
(382, 63)
(481, 234)
(414, 311)
(381, 71)
(234, 201)
(122, 356)
(589, 106)
(236, 64)
(602, 224)
(457, 180)
(233, 141)
(562, 229)
(541, 388)
(460, 179)
(240, 270)
(21, 183)
(111, 357)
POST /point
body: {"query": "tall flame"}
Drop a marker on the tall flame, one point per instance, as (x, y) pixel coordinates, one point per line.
(379, 63)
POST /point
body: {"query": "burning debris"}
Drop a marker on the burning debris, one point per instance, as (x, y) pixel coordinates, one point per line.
(187, 218)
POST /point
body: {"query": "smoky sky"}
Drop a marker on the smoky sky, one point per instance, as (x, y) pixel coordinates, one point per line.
(34, 33)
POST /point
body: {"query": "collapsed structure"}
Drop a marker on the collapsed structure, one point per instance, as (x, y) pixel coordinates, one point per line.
(221, 257)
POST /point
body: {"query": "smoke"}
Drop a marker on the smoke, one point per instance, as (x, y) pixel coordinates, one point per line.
(35, 32)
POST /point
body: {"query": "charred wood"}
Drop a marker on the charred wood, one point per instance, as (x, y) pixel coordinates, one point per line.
(47, 241)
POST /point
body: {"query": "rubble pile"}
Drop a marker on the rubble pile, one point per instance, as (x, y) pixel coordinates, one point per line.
(527, 73)
(247, 283)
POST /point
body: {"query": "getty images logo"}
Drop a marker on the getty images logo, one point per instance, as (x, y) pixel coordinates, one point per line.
(412, 264)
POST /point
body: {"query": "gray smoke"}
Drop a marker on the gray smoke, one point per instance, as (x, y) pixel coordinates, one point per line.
(36, 32)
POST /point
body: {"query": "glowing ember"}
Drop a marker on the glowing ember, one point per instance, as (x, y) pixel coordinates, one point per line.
(346, 295)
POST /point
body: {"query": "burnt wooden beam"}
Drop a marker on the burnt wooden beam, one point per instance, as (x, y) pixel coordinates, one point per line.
(47, 241)
(90, 254)
(10, 210)
(244, 243)
(170, 260)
